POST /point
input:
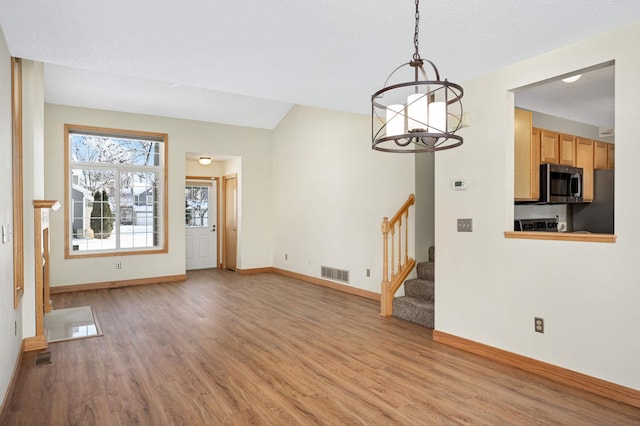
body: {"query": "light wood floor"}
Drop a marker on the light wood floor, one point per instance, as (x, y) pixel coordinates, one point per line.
(266, 349)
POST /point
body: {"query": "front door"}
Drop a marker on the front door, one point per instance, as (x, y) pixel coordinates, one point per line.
(200, 219)
(230, 221)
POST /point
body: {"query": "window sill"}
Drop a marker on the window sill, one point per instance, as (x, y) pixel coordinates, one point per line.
(562, 236)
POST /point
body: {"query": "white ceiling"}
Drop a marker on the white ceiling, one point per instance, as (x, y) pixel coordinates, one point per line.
(590, 99)
(246, 62)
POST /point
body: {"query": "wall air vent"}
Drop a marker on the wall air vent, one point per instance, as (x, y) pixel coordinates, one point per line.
(605, 132)
(334, 274)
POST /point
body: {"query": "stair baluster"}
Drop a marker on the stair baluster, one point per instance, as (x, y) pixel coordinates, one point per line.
(392, 280)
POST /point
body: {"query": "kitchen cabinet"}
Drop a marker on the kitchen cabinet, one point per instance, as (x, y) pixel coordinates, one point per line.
(600, 155)
(584, 158)
(567, 149)
(611, 156)
(549, 147)
(526, 158)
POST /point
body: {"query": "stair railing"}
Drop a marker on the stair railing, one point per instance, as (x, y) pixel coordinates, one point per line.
(396, 261)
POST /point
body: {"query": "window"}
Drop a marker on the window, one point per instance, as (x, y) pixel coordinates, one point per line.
(197, 205)
(115, 201)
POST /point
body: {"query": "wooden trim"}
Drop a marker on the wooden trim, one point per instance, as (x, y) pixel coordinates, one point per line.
(201, 178)
(44, 204)
(165, 190)
(330, 284)
(118, 284)
(35, 343)
(120, 252)
(568, 377)
(255, 271)
(223, 230)
(562, 236)
(18, 181)
(12, 381)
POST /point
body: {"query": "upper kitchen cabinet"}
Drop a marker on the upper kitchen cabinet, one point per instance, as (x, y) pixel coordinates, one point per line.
(584, 159)
(611, 156)
(549, 147)
(567, 149)
(527, 158)
(599, 155)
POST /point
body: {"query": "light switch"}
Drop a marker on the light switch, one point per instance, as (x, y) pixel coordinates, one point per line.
(465, 225)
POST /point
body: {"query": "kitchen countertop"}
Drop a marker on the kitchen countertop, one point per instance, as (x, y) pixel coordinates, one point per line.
(562, 236)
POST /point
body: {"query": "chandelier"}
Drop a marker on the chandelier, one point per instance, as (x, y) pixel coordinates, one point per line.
(418, 115)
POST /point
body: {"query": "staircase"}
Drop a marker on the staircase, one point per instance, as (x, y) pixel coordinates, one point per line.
(417, 305)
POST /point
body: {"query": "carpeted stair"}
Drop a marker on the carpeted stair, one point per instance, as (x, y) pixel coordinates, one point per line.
(417, 304)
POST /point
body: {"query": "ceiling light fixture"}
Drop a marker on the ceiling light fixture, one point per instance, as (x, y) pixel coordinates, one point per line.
(205, 161)
(572, 79)
(419, 115)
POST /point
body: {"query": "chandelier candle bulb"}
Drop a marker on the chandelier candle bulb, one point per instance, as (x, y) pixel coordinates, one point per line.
(395, 120)
(417, 111)
(437, 117)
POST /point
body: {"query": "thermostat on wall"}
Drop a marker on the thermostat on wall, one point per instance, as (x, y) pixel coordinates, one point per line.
(459, 184)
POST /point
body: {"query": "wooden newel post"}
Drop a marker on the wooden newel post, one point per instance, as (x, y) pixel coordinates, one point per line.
(41, 253)
(385, 302)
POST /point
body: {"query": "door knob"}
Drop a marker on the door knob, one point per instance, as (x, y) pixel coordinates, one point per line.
(213, 229)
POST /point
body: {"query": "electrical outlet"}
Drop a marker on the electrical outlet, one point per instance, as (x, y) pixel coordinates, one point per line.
(368, 272)
(465, 225)
(118, 264)
(286, 256)
(538, 325)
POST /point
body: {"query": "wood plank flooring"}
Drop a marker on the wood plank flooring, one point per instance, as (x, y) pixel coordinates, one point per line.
(265, 349)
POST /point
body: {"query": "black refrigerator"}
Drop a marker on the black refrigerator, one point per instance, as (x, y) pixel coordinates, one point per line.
(597, 216)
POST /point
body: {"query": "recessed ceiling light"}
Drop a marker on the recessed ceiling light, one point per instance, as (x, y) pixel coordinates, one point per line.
(572, 79)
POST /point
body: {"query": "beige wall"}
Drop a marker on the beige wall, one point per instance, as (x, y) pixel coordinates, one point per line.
(9, 341)
(33, 163)
(253, 145)
(489, 288)
(331, 192)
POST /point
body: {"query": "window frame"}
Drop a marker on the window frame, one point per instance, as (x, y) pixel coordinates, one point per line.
(164, 209)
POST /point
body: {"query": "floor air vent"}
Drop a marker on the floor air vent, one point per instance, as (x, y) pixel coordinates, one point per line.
(334, 274)
(42, 358)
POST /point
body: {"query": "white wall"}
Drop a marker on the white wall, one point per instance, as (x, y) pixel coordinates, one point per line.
(331, 192)
(489, 288)
(425, 233)
(10, 343)
(253, 145)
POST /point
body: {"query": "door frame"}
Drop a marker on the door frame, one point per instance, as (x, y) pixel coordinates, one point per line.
(223, 192)
(216, 181)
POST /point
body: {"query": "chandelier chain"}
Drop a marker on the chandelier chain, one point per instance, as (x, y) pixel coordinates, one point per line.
(416, 55)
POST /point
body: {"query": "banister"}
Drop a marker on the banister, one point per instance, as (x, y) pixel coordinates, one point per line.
(410, 201)
(405, 264)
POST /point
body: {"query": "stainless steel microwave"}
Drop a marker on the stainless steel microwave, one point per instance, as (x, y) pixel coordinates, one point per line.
(560, 184)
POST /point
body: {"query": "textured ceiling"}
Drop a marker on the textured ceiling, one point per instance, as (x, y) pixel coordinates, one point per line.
(274, 53)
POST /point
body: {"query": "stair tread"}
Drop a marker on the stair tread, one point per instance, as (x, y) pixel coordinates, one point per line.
(426, 270)
(419, 288)
(416, 301)
(418, 311)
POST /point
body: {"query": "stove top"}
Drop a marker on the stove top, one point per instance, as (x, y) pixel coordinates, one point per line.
(537, 225)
